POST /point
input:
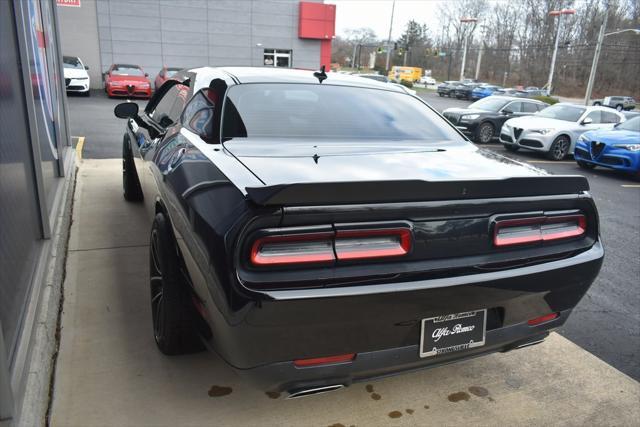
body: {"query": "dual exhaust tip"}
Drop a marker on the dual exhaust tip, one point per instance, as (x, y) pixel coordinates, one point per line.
(295, 394)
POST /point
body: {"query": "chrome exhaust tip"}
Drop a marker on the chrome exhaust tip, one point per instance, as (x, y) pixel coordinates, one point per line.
(313, 391)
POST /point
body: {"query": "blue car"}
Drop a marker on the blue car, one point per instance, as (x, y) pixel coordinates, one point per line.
(617, 148)
(483, 91)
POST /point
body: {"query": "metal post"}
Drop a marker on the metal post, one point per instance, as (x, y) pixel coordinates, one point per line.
(404, 60)
(553, 58)
(596, 56)
(464, 57)
(393, 8)
(479, 60)
(353, 57)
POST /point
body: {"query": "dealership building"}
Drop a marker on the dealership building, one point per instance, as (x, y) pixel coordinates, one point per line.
(192, 33)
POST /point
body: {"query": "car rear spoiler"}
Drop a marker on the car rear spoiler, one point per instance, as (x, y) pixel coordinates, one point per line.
(335, 193)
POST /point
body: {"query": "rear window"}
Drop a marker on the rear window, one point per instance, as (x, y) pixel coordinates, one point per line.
(314, 111)
(125, 70)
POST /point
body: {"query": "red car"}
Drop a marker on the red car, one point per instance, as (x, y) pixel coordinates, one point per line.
(165, 74)
(127, 80)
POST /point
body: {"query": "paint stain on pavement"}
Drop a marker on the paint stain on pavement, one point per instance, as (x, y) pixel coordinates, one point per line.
(219, 391)
(272, 394)
(478, 391)
(369, 388)
(426, 406)
(457, 397)
(395, 414)
(337, 425)
(409, 411)
(376, 396)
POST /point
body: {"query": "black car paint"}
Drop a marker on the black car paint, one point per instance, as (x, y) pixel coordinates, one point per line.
(496, 118)
(260, 321)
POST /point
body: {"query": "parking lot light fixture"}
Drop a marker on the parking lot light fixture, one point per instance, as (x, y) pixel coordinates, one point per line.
(466, 41)
(559, 14)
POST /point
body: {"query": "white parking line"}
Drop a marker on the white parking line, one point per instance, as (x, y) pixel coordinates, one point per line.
(630, 185)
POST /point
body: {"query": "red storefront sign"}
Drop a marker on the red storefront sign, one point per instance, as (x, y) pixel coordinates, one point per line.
(318, 21)
(71, 3)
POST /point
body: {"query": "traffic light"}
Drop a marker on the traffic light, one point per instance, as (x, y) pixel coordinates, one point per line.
(395, 46)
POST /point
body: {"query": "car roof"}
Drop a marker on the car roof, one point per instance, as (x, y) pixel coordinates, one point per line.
(514, 98)
(242, 75)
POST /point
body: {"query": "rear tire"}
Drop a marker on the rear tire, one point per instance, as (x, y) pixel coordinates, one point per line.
(441, 94)
(130, 182)
(559, 149)
(586, 165)
(512, 148)
(485, 133)
(172, 313)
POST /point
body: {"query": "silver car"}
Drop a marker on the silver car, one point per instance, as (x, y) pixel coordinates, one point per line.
(618, 102)
(556, 129)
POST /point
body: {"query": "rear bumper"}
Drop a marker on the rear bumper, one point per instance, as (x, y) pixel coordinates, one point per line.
(285, 376)
(381, 323)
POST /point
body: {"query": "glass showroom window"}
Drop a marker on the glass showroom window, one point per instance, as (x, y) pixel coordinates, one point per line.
(277, 58)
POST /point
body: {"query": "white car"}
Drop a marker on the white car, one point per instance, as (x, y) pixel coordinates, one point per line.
(76, 78)
(429, 81)
(556, 129)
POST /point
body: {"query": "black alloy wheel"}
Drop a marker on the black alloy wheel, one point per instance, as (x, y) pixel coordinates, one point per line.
(130, 182)
(560, 148)
(172, 313)
(485, 133)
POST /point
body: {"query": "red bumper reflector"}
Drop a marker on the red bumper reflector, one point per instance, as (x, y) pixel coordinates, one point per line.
(538, 229)
(325, 360)
(542, 319)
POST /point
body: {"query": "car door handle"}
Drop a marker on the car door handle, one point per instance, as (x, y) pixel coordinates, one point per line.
(177, 157)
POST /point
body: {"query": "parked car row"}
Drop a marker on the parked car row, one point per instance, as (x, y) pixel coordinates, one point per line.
(533, 125)
(128, 80)
(469, 89)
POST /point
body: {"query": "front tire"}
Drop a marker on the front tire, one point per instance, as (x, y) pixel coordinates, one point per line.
(173, 318)
(559, 149)
(485, 133)
(130, 182)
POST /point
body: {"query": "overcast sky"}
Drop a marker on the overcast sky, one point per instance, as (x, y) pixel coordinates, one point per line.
(376, 15)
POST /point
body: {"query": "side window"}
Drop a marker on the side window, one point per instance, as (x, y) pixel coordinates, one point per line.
(162, 112)
(541, 106)
(181, 100)
(198, 114)
(515, 107)
(608, 117)
(595, 116)
(529, 107)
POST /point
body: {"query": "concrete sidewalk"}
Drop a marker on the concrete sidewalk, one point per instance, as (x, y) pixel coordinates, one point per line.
(110, 373)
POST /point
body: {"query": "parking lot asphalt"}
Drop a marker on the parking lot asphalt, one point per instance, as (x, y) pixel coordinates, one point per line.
(607, 320)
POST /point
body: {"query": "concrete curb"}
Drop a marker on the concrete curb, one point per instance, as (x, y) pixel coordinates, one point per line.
(38, 360)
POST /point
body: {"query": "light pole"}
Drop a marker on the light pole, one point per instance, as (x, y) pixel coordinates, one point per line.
(466, 40)
(596, 55)
(393, 8)
(558, 13)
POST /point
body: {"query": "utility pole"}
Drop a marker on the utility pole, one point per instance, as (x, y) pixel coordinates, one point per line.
(479, 60)
(558, 13)
(393, 8)
(596, 56)
(466, 41)
(404, 60)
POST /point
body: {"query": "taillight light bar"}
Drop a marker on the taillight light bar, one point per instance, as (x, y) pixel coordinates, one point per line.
(328, 247)
(538, 229)
(329, 360)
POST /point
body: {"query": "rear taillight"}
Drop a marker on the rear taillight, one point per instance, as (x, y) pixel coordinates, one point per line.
(293, 249)
(327, 247)
(372, 243)
(542, 319)
(538, 229)
(329, 360)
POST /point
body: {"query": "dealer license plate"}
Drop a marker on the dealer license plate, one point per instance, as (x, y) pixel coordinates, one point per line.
(453, 332)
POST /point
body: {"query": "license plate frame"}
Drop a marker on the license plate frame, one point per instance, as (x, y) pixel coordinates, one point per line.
(450, 333)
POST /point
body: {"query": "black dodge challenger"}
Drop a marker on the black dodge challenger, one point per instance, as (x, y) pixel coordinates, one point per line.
(317, 229)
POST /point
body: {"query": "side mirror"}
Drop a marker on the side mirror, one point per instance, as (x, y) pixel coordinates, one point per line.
(126, 110)
(586, 121)
(86, 67)
(146, 74)
(506, 112)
